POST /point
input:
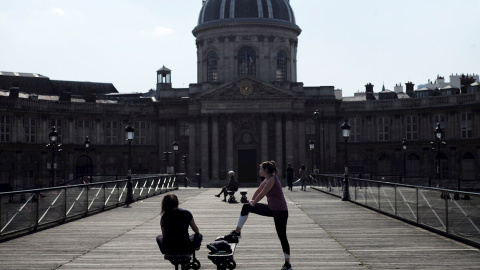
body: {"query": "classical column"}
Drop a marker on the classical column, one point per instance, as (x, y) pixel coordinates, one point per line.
(215, 147)
(229, 144)
(289, 139)
(191, 147)
(279, 145)
(264, 142)
(301, 142)
(204, 148)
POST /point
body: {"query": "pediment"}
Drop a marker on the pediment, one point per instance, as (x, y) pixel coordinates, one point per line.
(245, 88)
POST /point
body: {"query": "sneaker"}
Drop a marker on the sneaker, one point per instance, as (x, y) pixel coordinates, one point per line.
(287, 266)
(218, 195)
(236, 234)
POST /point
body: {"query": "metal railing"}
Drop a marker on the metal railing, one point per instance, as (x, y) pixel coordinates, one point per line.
(29, 210)
(452, 213)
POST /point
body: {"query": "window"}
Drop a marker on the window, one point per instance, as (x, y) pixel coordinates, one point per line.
(384, 164)
(310, 127)
(355, 130)
(140, 132)
(5, 128)
(212, 67)
(468, 167)
(111, 132)
(281, 66)
(184, 129)
(466, 125)
(383, 125)
(413, 165)
(30, 130)
(57, 123)
(412, 127)
(82, 131)
(246, 61)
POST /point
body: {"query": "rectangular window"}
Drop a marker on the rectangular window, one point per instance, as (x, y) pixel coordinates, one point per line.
(412, 127)
(5, 128)
(355, 130)
(466, 125)
(140, 132)
(184, 130)
(383, 125)
(57, 123)
(30, 130)
(111, 132)
(310, 127)
(82, 131)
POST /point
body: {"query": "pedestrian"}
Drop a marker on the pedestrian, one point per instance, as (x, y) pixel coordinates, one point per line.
(290, 175)
(232, 185)
(129, 198)
(276, 207)
(303, 177)
(174, 223)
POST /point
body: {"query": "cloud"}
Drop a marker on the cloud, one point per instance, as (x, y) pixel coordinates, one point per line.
(59, 11)
(162, 31)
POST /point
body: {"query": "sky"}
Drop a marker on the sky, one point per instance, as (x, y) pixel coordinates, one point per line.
(344, 43)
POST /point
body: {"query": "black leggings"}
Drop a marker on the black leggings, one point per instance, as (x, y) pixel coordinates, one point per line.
(280, 218)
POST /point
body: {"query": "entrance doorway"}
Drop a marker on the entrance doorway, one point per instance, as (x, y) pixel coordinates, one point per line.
(247, 166)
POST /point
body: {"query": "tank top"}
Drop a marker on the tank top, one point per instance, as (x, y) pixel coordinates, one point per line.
(275, 198)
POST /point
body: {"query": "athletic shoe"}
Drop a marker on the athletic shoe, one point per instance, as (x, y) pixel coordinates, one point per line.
(236, 234)
(218, 195)
(287, 266)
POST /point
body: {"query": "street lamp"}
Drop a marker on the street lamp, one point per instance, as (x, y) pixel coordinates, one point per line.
(175, 150)
(317, 116)
(404, 146)
(311, 145)
(129, 133)
(346, 133)
(87, 145)
(438, 137)
(53, 136)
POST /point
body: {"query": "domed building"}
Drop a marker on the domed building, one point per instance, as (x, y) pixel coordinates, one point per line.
(245, 107)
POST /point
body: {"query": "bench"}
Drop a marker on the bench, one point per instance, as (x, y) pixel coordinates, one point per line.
(222, 260)
(186, 261)
(244, 198)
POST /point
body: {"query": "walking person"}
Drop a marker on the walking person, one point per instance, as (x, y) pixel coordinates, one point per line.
(277, 207)
(232, 185)
(290, 175)
(174, 223)
(303, 176)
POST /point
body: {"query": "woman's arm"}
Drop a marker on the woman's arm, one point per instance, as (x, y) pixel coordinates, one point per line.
(266, 188)
(259, 189)
(194, 226)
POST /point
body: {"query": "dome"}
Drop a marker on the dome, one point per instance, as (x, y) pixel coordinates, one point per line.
(227, 10)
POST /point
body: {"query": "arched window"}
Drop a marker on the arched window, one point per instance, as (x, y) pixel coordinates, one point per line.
(212, 67)
(246, 61)
(281, 66)
(413, 165)
(384, 165)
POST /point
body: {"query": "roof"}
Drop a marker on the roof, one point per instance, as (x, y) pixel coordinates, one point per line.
(218, 10)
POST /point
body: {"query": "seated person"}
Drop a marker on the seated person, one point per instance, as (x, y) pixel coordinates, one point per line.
(174, 223)
(232, 185)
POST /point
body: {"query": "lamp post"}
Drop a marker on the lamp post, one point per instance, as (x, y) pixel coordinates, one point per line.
(438, 137)
(175, 150)
(53, 136)
(87, 145)
(404, 146)
(346, 133)
(129, 133)
(317, 127)
(311, 145)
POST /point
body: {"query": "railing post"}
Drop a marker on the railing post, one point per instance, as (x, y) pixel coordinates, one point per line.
(37, 209)
(416, 191)
(379, 200)
(86, 206)
(446, 213)
(104, 197)
(395, 189)
(65, 205)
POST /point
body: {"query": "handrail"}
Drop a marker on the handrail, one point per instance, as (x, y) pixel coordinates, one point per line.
(452, 213)
(28, 210)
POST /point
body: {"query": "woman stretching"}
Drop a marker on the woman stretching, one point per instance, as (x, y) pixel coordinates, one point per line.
(276, 208)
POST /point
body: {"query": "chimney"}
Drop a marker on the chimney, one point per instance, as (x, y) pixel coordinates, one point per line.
(369, 91)
(410, 91)
(465, 82)
(398, 88)
(14, 90)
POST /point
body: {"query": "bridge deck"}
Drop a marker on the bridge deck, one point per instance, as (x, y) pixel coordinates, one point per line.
(324, 233)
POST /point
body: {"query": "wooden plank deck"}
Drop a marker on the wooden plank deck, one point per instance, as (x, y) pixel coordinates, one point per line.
(324, 233)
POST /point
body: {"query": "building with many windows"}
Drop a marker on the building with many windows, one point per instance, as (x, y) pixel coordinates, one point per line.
(246, 107)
